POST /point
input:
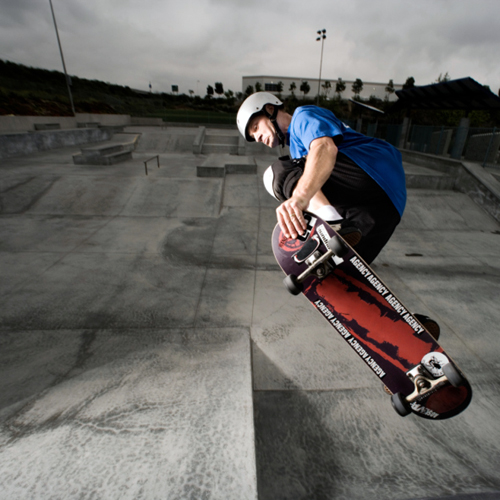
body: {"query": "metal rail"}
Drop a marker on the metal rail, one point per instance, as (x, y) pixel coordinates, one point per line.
(152, 158)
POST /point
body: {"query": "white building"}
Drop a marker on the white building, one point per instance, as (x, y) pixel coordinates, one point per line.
(270, 84)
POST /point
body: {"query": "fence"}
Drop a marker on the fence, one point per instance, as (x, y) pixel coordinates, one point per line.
(480, 145)
(476, 144)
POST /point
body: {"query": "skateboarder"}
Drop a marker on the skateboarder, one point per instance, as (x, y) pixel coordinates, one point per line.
(347, 178)
(356, 183)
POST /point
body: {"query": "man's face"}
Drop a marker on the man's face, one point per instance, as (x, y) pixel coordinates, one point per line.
(261, 129)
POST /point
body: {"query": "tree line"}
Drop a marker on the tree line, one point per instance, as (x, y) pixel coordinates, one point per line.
(340, 87)
(31, 91)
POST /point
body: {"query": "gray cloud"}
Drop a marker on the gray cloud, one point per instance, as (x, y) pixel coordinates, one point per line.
(198, 42)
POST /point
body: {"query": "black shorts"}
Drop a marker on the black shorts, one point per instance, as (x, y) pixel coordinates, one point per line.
(355, 195)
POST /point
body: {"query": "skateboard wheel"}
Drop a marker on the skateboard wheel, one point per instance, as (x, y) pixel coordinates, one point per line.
(337, 246)
(400, 404)
(453, 375)
(292, 285)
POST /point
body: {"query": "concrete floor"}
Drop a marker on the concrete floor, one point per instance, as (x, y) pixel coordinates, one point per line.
(149, 350)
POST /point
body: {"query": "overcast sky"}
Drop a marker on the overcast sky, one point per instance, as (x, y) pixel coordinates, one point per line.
(194, 43)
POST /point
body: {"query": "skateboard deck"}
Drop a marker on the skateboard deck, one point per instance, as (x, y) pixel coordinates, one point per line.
(380, 329)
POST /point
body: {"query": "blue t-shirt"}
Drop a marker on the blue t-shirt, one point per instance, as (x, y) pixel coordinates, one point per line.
(381, 161)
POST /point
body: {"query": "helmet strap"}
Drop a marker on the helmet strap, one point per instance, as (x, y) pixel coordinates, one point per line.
(274, 121)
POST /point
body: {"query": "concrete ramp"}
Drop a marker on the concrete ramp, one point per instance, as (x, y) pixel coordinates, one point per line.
(148, 348)
(168, 401)
(125, 359)
(103, 196)
(165, 140)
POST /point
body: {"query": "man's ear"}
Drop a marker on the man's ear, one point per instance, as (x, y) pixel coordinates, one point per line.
(269, 109)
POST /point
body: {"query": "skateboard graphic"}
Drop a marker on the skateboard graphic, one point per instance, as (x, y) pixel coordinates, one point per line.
(359, 306)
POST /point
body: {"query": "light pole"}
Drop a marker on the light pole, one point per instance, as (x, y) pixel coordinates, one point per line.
(62, 57)
(322, 36)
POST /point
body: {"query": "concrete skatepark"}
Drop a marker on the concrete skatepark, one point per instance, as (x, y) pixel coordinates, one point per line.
(149, 349)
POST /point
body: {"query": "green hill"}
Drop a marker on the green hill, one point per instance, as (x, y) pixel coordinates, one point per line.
(32, 91)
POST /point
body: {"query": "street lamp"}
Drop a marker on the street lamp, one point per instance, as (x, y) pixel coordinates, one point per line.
(62, 58)
(322, 36)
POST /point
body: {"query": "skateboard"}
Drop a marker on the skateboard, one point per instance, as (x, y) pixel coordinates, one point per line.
(388, 339)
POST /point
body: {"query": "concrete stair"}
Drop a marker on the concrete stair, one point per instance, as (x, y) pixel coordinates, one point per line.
(107, 154)
(217, 143)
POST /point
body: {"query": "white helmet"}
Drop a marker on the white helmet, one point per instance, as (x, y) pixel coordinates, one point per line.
(256, 104)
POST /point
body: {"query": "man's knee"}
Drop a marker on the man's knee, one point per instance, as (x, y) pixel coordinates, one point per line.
(377, 225)
(282, 176)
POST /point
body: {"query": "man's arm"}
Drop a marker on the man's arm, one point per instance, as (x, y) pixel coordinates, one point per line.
(319, 165)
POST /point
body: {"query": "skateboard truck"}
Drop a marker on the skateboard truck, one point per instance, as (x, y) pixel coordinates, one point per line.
(426, 377)
(317, 263)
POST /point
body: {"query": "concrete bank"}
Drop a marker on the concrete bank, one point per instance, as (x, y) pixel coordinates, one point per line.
(148, 348)
(467, 177)
(33, 142)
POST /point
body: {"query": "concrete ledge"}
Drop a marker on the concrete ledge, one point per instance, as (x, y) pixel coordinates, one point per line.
(104, 159)
(107, 154)
(470, 178)
(47, 126)
(241, 169)
(242, 165)
(198, 140)
(102, 150)
(88, 125)
(111, 159)
(210, 171)
(481, 187)
(445, 165)
(213, 166)
(437, 181)
(218, 165)
(17, 124)
(24, 144)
